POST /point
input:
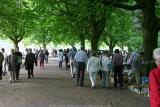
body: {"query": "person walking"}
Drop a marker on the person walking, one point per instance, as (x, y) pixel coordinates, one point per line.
(46, 55)
(4, 66)
(60, 55)
(29, 62)
(105, 67)
(19, 62)
(117, 68)
(72, 54)
(66, 58)
(139, 68)
(1, 62)
(81, 61)
(41, 59)
(12, 62)
(36, 55)
(93, 66)
(154, 81)
(134, 63)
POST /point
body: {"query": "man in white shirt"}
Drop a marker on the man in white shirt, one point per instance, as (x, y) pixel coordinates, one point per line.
(93, 66)
(60, 55)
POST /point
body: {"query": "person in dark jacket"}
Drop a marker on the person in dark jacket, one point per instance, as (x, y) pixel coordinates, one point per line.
(46, 55)
(41, 57)
(118, 68)
(19, 62)
(29, 63)
(66, 55)
(1, 61)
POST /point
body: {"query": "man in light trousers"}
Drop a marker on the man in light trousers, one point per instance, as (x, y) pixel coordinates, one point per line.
(93, 66)
(12, 62)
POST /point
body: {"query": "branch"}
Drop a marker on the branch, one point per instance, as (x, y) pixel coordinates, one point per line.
(122, 5)
(101, 26)
(102, 23)
(67, 9)
(11, 38)
(65, 12)
(106, 42)
(20, 38)
(59, 7)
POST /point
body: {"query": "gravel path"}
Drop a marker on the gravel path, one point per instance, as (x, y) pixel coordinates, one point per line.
(52, 87)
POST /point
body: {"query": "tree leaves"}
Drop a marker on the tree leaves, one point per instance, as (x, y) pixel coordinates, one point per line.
(61, 21)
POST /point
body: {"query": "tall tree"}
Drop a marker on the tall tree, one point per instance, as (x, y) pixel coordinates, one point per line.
(151, 23)
(94, 15)
(118, 29)
(16, 20)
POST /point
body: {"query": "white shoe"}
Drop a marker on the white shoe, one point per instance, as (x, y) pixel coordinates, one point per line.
(93, 86)
(10, 80)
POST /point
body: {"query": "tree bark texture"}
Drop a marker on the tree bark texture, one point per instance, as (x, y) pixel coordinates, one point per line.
(150, 31)
(15, 43)
(82, 40)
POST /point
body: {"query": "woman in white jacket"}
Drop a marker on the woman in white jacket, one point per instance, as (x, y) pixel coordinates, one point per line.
(93, 66)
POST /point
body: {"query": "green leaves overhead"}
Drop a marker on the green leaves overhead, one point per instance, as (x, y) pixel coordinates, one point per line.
(64, 21)
(16, 19)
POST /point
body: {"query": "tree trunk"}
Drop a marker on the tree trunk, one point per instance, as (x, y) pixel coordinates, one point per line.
(94, 44)
(111, 45)
(82, 38)
(95, 35)
(150, 43)
(150, 30)
(44, 46)
(111, 48)
(15, 43)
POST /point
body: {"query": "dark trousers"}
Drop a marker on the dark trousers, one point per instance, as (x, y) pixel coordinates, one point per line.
(1, 72)
(17, 70)
(118, 72)
(30, 70)
(80, 73)
(66, 63)
(60, 64)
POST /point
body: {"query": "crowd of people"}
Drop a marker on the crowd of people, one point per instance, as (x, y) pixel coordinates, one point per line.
(95, 63)
(103, 63)
(13, 62)
(116, 62)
